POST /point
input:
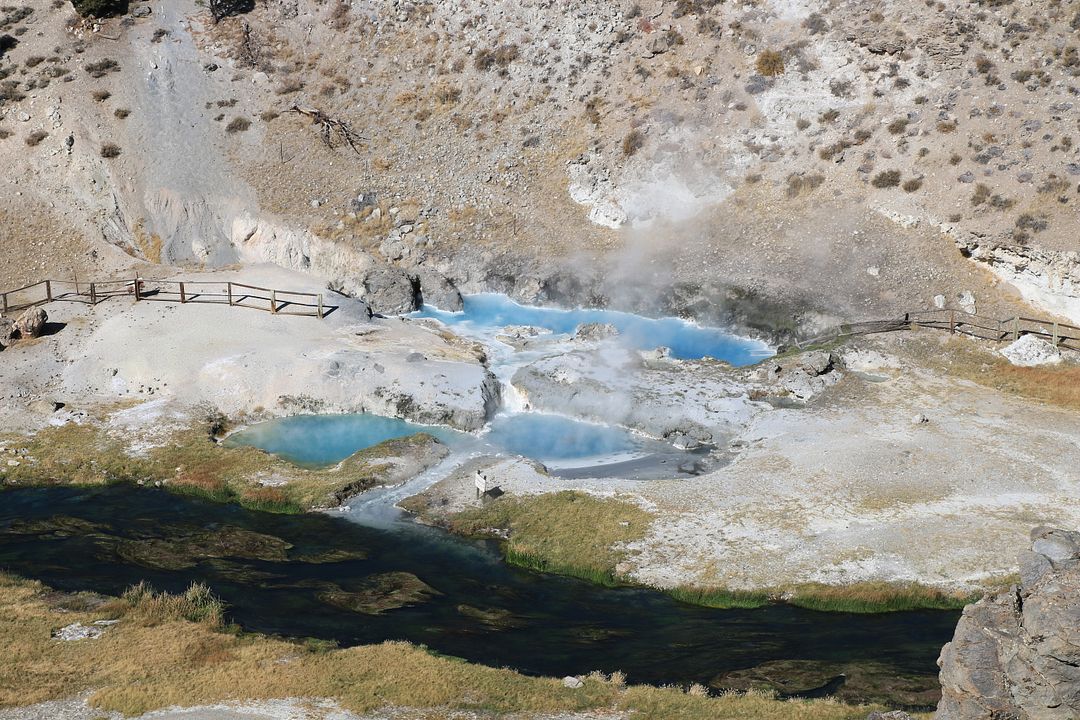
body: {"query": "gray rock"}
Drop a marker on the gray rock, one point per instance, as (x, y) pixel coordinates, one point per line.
(592, 332)
(390, 290)
(968, 177)
(816, 362)
(141, 11)
(572, 682)
(436, 289)
(7, 331)
(32, 322)
(890, 715)
(1016, 654)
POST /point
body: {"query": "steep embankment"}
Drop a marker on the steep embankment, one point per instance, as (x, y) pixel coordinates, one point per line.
(779, 165)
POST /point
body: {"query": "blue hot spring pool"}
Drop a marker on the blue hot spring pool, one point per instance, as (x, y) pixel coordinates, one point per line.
(686, 340)
(320, 440)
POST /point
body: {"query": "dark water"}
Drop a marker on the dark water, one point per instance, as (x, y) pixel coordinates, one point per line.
(484, 611)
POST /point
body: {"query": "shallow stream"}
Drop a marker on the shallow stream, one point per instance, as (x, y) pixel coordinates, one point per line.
(321, 576)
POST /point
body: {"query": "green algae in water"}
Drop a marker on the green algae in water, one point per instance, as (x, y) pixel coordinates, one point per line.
(381, 593)
(471, 605)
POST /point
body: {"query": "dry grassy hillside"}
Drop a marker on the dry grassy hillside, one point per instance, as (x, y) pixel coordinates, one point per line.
(781, 163)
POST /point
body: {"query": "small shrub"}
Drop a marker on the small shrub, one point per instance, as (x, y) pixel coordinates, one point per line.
(1027, 221)
(770, 63)
(102, 68)
(886, 179)
(238, 124)
(268, 115)
(110, 150)
(912, 185)
(289, 84)
(101, 95)
(802, 123)
(829, 115)
(634, 141)
(946, 126)
(500, 56)
(897, 126)
(800, 184)
(955, 159)
(121, 113)
(34, 61)
(5, 133)
(34, 139)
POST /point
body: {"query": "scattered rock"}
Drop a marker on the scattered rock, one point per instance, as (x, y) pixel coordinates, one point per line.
(939, 302)
(966, 300)
(390, 290)
(7, 331)
(78, 631)
(1030, 351)
(592, 332)
(572, 682)
(919, 419)
(31, 323)
(436, 289)
(1015, 654)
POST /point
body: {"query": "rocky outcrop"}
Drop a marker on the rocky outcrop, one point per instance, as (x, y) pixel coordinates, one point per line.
(1017, 654)
(32, 322)
(437, 290)
(1047, 279)
(7, 331)
(390, 290)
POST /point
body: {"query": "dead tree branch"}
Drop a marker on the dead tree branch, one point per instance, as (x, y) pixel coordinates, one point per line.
(330, 127)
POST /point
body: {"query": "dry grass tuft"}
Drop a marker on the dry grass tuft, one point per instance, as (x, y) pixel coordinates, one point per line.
(172, 650)
(769, 63)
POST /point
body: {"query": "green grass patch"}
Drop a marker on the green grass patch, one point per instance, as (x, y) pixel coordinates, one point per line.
(719, 597)
(876, 597)
(567, 533)
(193, 463)
(531, 561)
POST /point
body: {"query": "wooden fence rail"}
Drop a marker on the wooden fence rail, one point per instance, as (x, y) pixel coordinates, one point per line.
(222, 292)
(963, 323)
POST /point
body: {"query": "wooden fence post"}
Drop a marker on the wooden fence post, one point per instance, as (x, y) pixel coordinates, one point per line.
(93, 294)
(273, 301)
(952, 322)
(135, 285)
(48, 290)
(1016, 328)
(228, 286)
(183, 296)
(5, 303)
(1055, 333)
(320, 306)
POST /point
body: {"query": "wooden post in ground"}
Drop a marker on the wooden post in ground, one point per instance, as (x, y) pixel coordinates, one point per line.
(135, 285)
(320, 306)
(228, 286)
(93, 294)
(273, 301)
(48, 290)
(1000, 335)
(1055, 333)
(5, 303)
(952, 322)
(1016, 328)
(183, 296)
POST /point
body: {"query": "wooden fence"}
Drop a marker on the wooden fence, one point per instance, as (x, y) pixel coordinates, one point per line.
(964, 323)
(234, 294)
